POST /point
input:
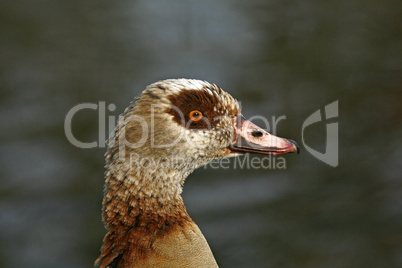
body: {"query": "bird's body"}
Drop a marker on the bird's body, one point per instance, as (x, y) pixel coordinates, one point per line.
(176, 126)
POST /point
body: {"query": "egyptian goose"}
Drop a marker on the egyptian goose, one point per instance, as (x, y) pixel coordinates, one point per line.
(176, 126)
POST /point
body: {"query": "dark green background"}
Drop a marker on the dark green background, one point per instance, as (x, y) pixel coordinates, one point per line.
(277, 57)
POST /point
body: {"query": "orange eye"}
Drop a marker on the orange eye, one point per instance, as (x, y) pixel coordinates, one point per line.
(195, 115)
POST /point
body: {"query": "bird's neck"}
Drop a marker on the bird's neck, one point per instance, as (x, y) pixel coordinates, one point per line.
(140, 197)
(138, 210)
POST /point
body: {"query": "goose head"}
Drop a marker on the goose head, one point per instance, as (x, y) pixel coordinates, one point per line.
(190, 123)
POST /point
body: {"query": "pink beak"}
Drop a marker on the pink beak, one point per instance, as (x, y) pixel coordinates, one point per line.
(252, 139)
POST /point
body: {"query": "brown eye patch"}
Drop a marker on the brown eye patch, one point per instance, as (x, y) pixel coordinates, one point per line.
(187, 102)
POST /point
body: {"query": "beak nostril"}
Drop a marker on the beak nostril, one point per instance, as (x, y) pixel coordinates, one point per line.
(256, 133)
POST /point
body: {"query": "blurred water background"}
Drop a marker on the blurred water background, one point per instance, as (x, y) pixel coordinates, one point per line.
(278, 57)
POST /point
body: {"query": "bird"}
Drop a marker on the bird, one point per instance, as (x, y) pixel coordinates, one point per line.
(174, 127)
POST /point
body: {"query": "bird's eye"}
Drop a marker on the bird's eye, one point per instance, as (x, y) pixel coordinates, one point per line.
(195, 115)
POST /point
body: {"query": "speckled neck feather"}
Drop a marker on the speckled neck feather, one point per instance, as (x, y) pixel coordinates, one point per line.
(135, 223)
(140, 206)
